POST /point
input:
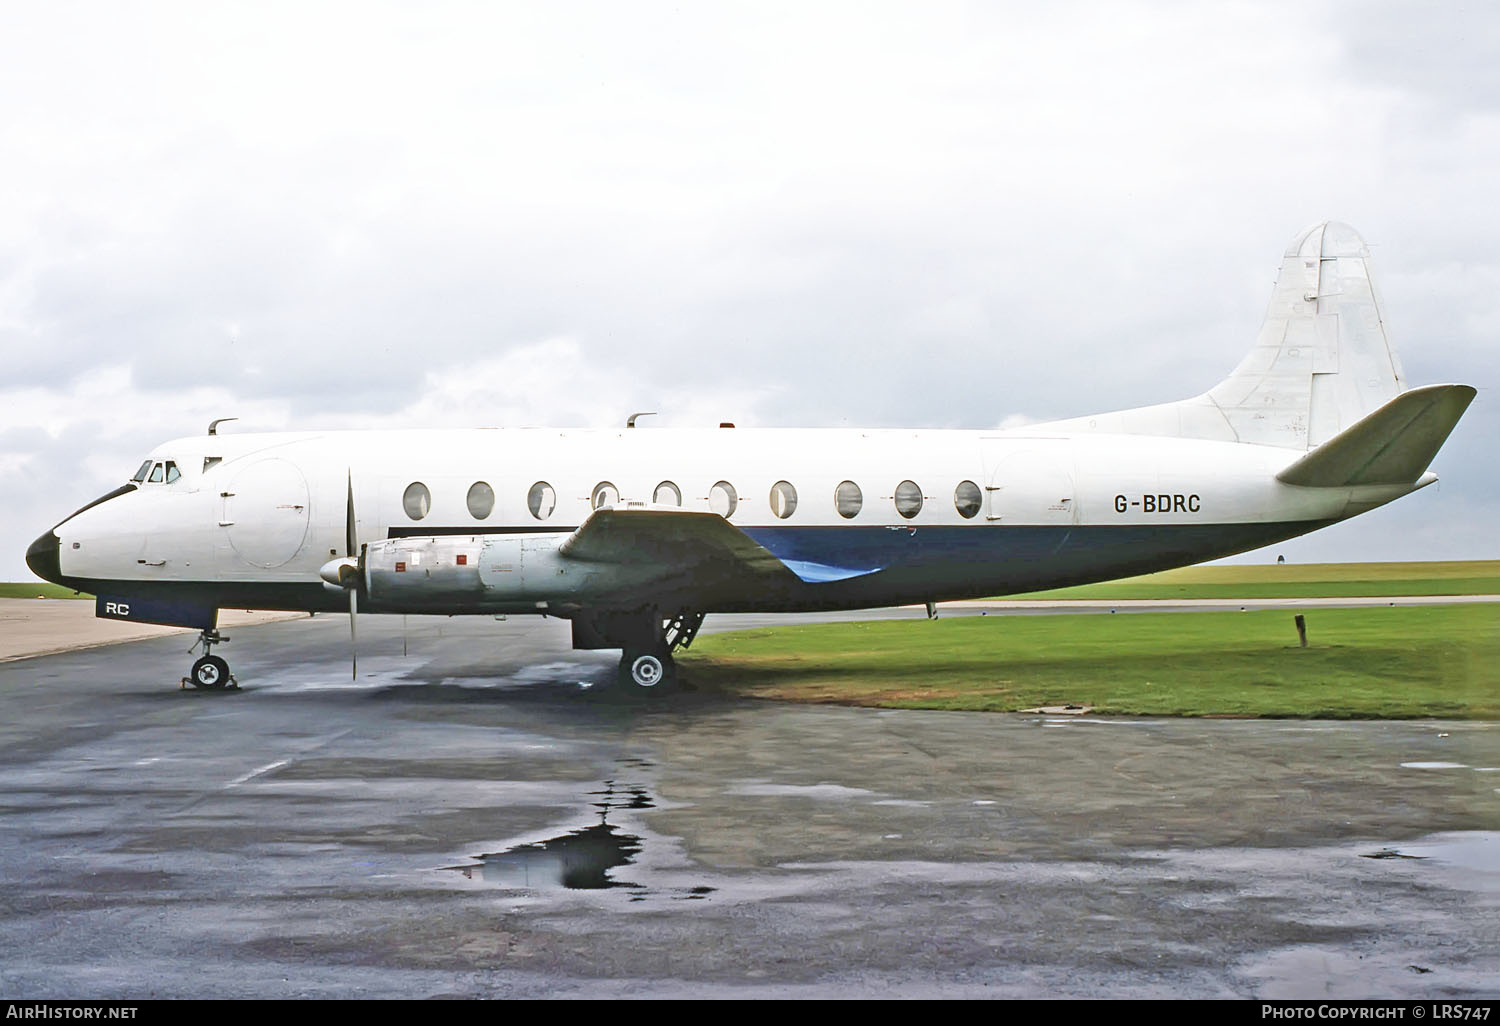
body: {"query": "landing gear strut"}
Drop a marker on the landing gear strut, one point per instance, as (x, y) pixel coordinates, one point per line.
(210, 672)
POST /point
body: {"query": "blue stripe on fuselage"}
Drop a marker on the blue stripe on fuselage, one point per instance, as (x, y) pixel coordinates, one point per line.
(995, 559)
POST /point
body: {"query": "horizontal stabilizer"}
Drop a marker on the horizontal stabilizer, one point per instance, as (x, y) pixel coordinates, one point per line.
(1391, 446)
(678, 539)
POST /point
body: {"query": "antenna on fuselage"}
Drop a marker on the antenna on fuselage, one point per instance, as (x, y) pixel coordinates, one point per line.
(213, 425)
(630, 423)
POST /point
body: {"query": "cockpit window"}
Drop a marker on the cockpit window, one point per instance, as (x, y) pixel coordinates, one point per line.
(172, 472)
(140, 475)
(156, 474)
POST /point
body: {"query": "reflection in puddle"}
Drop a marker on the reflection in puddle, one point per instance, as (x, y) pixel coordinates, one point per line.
(579, 859)
(1475, 853)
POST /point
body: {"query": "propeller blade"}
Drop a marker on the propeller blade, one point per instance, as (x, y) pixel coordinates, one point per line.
(353, 639)
(351, 532)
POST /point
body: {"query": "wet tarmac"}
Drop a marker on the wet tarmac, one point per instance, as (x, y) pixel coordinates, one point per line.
(481, 816)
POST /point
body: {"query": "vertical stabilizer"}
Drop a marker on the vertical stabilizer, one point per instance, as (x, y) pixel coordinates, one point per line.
(1322, 360)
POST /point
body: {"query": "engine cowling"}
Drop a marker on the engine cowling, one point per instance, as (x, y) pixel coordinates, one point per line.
(465, 572)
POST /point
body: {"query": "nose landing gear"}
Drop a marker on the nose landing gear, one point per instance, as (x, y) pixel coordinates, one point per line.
(210, 672)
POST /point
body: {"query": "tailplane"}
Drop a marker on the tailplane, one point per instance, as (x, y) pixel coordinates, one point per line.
(1392, 446)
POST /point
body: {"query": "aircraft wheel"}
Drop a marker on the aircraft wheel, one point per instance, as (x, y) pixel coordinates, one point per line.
(647, 671)
(210, 673)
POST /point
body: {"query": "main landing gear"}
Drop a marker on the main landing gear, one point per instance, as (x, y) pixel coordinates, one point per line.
(646, 642)
(210, 672)
(648, 669)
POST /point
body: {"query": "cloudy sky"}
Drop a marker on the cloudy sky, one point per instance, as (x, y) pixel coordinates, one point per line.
(801, 214)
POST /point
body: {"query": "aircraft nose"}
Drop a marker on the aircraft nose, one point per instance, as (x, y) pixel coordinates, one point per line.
(42, 557)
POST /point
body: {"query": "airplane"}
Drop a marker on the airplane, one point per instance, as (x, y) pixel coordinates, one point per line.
(635, 535)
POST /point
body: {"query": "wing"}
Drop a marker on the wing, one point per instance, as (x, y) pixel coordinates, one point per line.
(680, 539)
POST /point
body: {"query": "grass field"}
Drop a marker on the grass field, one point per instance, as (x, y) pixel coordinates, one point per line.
(37, 589)
(1312, 580)
(1405, 662)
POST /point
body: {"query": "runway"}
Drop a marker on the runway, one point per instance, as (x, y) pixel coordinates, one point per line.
(477, 816)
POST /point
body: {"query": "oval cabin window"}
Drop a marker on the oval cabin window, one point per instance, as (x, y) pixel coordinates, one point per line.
(541, 500)
(848, 499)
(967, 499)
(481, 500)
(605, 494)
(417, 500)
(783, 499)
(908, 499)
(723, 499)
(667, 494)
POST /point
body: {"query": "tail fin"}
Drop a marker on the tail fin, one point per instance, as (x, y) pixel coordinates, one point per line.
(1320, 364)
(1322, 360)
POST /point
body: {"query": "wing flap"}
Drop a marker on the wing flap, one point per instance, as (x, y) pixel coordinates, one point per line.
(1391, 446)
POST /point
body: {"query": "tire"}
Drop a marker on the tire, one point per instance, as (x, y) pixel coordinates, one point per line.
(647, 671)
(210, 674)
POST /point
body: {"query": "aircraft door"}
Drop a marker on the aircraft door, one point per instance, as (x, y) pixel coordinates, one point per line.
(1029, 481)
(266, 512)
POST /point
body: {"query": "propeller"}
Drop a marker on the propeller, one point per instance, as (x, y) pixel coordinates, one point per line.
(347, 574)
(351, 542)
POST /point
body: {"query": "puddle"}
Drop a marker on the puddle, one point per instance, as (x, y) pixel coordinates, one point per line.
(384, 672)
(630, 796)
(579, 860)
(1474, 853)
(826, 792)
(558, 672)
(1477, 851)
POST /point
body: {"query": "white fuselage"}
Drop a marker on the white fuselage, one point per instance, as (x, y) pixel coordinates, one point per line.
(252, 518)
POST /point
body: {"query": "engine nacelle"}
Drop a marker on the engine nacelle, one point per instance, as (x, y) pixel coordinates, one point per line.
(486, 571)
